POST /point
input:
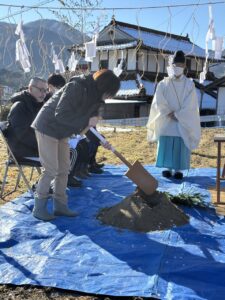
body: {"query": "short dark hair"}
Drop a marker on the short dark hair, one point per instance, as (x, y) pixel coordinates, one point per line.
(107, 82)
(56, 80)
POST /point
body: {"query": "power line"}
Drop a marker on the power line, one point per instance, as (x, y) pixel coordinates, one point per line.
(109, 8)
(196, 7)
(23, 8)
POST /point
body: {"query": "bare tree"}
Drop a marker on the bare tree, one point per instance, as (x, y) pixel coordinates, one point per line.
(80, 15)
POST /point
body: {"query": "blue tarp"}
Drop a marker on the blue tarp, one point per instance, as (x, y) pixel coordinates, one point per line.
(81, 254)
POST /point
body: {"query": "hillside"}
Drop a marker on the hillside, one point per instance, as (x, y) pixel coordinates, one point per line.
(39, 35)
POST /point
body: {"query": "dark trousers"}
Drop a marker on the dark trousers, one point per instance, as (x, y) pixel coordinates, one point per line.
(82, 159)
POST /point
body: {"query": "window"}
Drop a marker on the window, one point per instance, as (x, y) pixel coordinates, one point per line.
(103, 64)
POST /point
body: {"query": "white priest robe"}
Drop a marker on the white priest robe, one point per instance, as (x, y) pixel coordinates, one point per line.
(178, 96)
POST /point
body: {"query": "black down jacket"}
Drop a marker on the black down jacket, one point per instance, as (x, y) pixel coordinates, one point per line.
(20, 135)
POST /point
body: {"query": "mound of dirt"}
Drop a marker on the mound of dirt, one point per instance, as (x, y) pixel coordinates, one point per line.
(142, 213)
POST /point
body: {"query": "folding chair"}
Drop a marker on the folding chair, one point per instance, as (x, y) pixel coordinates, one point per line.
(11, 161)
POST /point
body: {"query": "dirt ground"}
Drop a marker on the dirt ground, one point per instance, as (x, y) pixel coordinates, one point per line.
(133, 145)
(142, 213)
(10, 292)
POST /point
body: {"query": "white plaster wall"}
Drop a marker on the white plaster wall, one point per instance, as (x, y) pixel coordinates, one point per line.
(142, 60)
(199, 65)
(221, 101)
(119, 54)
(95, 63)
(160, 63)
(112, 59)
(131, 64)
(103, 55)
(152, 61)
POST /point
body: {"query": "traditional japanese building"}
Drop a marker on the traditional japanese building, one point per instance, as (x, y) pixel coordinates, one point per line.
(143, 54)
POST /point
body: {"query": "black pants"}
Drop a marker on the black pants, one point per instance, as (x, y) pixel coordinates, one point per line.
(82, 159)
(93, 144)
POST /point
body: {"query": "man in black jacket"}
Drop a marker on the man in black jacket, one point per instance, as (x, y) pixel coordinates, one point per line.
(26, 105)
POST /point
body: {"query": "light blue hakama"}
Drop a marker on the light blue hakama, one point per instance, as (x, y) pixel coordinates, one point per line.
(172, 153)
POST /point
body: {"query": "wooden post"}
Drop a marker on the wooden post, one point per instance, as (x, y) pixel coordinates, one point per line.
(218, 171)
(219, 139)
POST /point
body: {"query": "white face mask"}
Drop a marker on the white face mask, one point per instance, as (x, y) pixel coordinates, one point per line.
(174, 71)
(178, 71)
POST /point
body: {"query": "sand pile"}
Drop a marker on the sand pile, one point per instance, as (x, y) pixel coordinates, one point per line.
(139, 212)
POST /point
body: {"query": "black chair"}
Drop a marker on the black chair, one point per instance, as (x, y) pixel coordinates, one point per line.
(11, 161)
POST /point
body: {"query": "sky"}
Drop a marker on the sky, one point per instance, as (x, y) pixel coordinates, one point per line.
(183, 20)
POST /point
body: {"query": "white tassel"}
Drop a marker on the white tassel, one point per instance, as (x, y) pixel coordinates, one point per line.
(118, 70)
(22, 53)
(72, 62)
(90, 49)
(58, 63)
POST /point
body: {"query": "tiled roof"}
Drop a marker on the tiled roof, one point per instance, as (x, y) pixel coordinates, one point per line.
(205, 82)
(117, 46)
(111, 47)
(163, 41)
(149, 87)
(128, 88)
(207, 101)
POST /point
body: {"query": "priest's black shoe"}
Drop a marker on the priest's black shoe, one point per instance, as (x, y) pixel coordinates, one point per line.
(166, 173)
(178, 175)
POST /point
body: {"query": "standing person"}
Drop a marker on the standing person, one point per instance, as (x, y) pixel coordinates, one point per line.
(174, 120)
(55, 83)
(26, 105)
(69, 111)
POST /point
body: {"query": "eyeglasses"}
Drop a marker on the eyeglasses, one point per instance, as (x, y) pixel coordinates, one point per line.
(44, 91)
